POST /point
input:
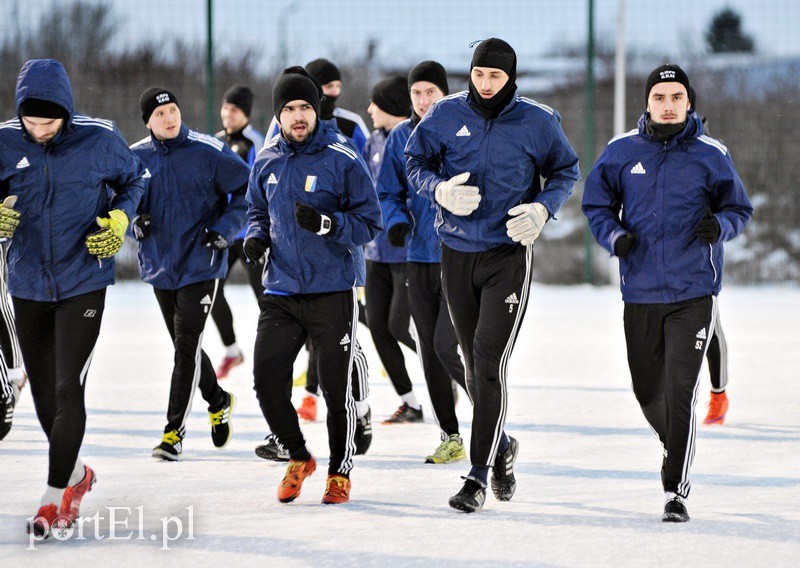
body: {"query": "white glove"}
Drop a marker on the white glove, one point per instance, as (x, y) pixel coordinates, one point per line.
(459, 199)
(526, 222)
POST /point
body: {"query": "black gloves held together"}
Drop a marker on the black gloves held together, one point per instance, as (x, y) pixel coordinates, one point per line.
(624, 245)
(311, 220)
(708, 230)
(254, 249)
(397, 234)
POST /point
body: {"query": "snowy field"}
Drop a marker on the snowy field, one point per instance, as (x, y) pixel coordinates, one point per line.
(588, 472)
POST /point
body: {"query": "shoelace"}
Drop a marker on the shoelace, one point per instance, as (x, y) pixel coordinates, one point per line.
(336, 487)
(172, 437)
(400, 411)
(217, 418)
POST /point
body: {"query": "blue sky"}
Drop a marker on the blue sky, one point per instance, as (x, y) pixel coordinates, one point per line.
(410, 30)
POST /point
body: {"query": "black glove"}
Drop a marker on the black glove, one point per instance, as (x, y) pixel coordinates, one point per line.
(624, 245)
(708, 230)
(397, 234)
(142, 226)
(309, 219)
(214, 240)
(254, 249)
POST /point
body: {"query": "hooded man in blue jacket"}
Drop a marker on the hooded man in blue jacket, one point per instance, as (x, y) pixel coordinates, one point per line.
(663, 198)
(185, 225)
(407, 213)
(479, 156)
(65, 227)
(312, 206)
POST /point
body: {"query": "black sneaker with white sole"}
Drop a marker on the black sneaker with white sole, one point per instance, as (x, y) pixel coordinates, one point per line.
(272, 450)
(170, 447)
(504, 484)
(471, 497)
(675, 511)
(7, 404)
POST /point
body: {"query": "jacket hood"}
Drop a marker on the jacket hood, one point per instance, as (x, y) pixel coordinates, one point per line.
(45, 79)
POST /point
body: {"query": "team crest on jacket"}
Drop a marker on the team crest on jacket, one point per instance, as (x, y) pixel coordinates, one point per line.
(311, 183)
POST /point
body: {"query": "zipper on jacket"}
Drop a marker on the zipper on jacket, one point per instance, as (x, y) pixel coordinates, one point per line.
(296, 235)
(711, 260)
(48, 202)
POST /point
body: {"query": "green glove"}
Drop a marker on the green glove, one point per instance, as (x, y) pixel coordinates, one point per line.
(9, 219)
(107, 241)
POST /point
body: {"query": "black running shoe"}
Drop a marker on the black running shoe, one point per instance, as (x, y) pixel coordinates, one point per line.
(364, 433)
(675, 511)
(470, 498)
(272, 450)
(220, 419)
(503, 482)
(405, 414)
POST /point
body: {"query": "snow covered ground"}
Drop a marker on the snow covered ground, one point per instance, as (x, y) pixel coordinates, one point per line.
(588, 482)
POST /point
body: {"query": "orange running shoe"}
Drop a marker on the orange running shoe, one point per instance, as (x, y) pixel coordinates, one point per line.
(308, 408)
(48, 519)
(71, 503)
(296, 472)
(337, 490)
(717, 409)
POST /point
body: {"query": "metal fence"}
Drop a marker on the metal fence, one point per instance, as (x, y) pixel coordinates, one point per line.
(750, 92)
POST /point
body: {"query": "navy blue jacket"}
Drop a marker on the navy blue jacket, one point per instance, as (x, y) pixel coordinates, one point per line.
(62, 186)
(401, 203)
(379, 249)
(663, 190)
(505, 156)
(327, 174)
(247, 143)
(192, 176)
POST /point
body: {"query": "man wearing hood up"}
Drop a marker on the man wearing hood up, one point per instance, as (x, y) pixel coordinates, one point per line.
(479, 156)
(65, 230)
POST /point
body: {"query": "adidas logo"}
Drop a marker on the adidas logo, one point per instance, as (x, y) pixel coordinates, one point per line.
(464, 131)
(345, 340)
(206, 301)
(23, 163)
(512, 299)
(701, 334)
(376, 157)
(272, 179)
(147, 174)
(638, 169)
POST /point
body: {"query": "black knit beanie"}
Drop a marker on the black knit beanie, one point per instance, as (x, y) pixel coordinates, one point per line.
(391, 95)
(432, 72)
(323, 71)
(495, 53)
(152, 98)
(241, 96)
(41, 108)
(293, 86)
(667, 73)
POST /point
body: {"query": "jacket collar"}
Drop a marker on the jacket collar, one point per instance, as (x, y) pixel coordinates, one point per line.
(324, 134)
(167, 145)
(693, 129)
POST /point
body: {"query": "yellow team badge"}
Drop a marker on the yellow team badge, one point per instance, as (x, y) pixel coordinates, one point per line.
(311, 183)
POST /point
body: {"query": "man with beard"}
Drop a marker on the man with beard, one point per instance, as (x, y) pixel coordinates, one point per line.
(311, 208)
